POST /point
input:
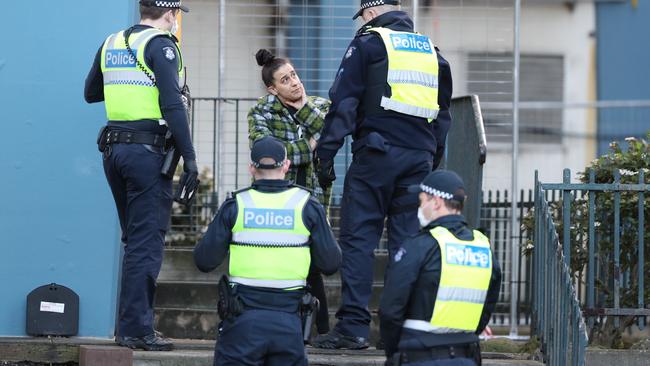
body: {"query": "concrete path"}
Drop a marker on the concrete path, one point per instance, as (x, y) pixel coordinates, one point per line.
(317, 357)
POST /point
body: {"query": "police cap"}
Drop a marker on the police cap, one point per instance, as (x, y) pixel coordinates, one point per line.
(171, 4)
(268, 147)
(365, 4)
(442, 183)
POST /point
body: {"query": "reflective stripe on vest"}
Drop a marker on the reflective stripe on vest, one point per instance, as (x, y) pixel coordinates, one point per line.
(465, 272)
(129, 94)
(412, 73)
(281, 284)
(270, 243)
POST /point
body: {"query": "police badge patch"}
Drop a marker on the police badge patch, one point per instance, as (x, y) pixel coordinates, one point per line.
(169, 53)
(350, 52)
(400, 253)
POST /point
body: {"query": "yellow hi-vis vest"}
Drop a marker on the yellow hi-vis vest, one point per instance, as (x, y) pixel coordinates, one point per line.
(129, 94)
(412, 73)
(270, 243)
(466, 269)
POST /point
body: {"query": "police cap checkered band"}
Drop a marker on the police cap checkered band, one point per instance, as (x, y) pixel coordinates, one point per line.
(171, 4)
(268, 147)
(365, 4)
(441, 183)
(434, 192)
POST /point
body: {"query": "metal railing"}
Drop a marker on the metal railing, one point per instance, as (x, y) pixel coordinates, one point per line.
(597, 304)
(596, 268)
(556, 309)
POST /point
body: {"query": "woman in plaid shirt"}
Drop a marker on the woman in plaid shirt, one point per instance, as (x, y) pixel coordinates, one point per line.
(288, 114)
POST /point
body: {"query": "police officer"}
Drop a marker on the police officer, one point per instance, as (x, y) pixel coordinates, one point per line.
(136, 73)
(441, 286)
(273, 231)
(392, 93)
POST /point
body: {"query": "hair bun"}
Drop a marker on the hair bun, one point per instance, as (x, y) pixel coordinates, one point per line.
(264, 57)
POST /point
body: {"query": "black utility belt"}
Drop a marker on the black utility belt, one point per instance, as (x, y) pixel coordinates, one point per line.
(436, 353)
(134, 137)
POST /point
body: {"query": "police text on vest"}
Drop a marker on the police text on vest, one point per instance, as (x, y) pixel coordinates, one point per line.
(119, 58)
(411, 42)
(264, 218)
(467, 255)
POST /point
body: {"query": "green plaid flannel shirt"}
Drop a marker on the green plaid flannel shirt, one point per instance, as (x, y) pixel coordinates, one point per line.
(269, 117)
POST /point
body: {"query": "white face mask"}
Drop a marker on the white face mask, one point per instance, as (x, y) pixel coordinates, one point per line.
(174, 27)
(423, 220)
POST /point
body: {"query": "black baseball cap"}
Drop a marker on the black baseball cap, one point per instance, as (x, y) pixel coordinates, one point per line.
(442, 183)
(365, 4)
(268, 147)
(171, 4)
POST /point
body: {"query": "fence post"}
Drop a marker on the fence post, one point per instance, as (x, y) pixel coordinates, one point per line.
(236, 143)
(214, 145)
(641, 252)
(617, 245)
(591, 252)
(566, 217)
(534, 280)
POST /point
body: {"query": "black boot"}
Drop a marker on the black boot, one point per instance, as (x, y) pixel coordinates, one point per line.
(150, 342)
(336, 340)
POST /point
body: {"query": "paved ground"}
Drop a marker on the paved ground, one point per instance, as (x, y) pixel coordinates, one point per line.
(193, 353)
(316, 358)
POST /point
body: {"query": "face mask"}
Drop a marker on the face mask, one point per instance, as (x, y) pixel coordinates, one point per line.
(174, 27)
(423, 220)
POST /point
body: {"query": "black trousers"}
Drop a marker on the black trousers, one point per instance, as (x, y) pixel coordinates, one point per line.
(260, 338)
(143, 198)
(374, 189)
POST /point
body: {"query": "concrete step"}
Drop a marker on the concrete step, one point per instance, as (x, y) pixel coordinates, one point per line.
(186, 299)
(186, 323)
(202, 295)
(178, 265)
(198, 295)
(188, 309)
(190, 323)
(316, 357)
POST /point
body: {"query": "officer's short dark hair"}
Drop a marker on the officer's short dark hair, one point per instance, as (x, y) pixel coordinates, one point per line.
(454, 205)
(153, 12)
(270, 64)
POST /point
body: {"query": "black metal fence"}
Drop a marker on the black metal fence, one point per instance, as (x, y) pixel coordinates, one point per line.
(495, 222)
(589, 256)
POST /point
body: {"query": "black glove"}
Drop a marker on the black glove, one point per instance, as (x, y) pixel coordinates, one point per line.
(188, 184)
(325, 172)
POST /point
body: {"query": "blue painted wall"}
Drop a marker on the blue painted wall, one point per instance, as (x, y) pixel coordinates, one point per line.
(57, 220)
(623, 54)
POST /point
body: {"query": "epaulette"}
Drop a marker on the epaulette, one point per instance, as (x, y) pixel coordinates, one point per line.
(363, 31)
(311, 191)
(234, 193)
